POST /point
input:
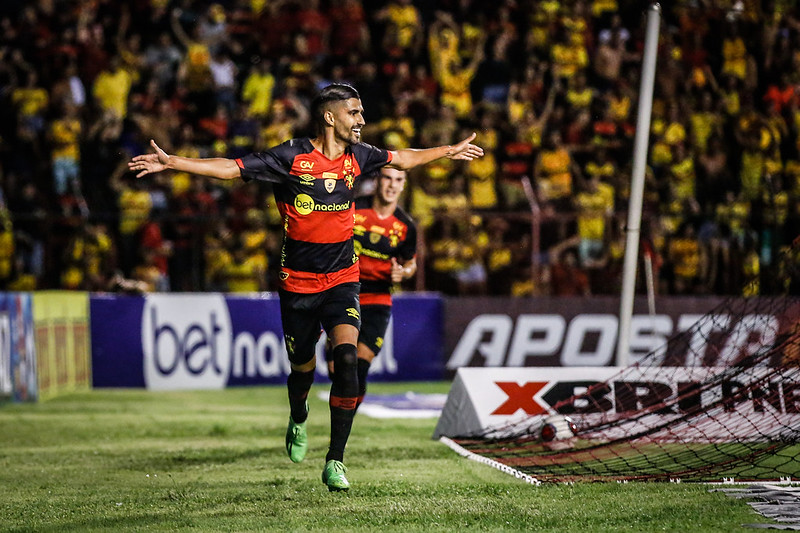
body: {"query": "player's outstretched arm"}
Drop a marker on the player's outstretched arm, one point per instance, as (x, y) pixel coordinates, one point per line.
(411, 157)
(215, 167)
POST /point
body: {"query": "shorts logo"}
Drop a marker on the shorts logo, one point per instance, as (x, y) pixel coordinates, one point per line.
(289, 344)
(304, 204)
(379, 342)
(353, 312)
(307, 165)
(307, 179)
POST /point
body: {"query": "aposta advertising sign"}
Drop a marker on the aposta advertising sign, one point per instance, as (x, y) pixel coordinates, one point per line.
(549, 332)
(210, 341)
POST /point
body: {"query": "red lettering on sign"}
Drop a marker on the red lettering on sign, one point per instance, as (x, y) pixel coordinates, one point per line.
(520, 397)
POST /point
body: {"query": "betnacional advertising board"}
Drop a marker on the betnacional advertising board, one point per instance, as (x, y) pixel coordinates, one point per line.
(212, 341)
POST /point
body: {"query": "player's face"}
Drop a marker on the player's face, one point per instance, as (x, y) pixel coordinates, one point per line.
(390, 184)
(348, 120)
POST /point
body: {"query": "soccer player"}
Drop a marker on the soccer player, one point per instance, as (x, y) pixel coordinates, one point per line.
(386, 243)
(313, 185)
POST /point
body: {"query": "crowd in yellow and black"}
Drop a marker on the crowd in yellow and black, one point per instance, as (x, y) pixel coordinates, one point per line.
(550, 86)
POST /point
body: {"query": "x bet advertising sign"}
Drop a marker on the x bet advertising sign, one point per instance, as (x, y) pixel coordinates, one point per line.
(495, 399)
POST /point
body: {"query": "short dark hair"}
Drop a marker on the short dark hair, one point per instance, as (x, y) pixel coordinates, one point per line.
(335, 92)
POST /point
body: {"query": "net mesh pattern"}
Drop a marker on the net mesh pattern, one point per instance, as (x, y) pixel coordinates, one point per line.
(719, 400)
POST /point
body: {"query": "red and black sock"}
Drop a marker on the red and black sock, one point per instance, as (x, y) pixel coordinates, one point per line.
(363, 370)
(299, 383)
(343, 399)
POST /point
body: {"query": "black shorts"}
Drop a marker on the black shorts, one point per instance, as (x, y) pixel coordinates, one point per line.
(374, 321)
(302, 315)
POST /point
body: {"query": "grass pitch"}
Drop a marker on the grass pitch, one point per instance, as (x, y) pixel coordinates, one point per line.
(125, 460)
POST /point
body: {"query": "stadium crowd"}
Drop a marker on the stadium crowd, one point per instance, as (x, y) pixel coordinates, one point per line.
(550, 86)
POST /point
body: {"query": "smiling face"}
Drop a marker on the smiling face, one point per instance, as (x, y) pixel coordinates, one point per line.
(347, 119)
(391, 183)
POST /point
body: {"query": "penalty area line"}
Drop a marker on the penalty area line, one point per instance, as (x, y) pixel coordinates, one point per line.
(490, 462)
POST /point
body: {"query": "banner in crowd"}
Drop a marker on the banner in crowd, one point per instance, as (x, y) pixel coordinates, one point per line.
(210, 341)
(61, 321)
(517, 332)
(17, 350)
(501, 401)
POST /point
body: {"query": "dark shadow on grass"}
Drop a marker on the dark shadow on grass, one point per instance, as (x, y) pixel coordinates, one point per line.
(189, 457)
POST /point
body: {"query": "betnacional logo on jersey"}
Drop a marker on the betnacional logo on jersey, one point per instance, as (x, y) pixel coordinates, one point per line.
(307, 179)
(305, 205)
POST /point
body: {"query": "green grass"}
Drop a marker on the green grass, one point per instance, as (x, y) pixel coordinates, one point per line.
(124, 460)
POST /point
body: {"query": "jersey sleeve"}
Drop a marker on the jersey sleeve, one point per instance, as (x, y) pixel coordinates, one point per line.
(272, 165)
(370, 158)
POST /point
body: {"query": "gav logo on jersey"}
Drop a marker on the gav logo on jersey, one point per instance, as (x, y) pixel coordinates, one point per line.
(186, 341)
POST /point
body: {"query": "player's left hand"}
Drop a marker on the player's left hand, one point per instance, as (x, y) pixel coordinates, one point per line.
(465, 150)
(397, 271)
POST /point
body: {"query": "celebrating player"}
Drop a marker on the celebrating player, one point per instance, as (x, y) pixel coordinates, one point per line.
(319, 273)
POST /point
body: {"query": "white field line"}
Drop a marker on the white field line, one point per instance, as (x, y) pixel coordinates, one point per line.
(490, 462)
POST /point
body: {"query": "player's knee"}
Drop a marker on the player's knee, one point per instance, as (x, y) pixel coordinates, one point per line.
(308, 366)
(345, 357)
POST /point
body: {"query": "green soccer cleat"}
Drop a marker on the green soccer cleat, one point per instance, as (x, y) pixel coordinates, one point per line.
(333, 476)
(296, 441)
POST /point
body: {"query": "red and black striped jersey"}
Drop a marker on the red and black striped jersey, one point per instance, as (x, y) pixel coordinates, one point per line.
(315, 197)
(377, 241)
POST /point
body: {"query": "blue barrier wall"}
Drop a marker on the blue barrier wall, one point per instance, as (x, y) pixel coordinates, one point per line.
(191, 341)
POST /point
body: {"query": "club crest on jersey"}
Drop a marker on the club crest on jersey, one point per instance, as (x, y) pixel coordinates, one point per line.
(330, 180)
(349, 178)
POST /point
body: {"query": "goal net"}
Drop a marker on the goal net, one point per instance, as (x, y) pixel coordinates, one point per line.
(720, 400)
